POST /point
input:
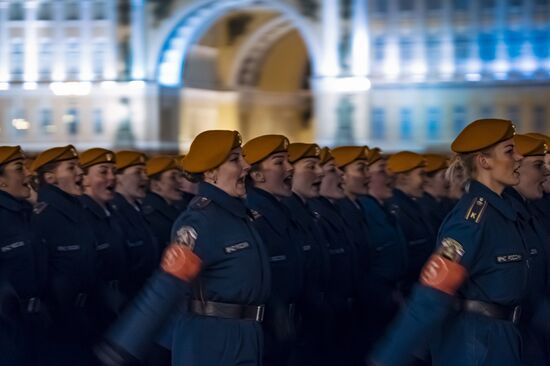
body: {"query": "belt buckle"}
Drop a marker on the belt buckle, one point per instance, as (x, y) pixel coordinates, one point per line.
(33, 305)
(516, 314)
(260, 310)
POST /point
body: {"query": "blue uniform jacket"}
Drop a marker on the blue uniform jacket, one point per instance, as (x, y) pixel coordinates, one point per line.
(141, 246)
(23, 259)
(282, 241)
(485, 225)
(354, 220)
(536, 307)
(433, 210)
(387, 267)
(61, 223)
(542, 211)
(111, 246)
(315, 250)
(111, 260)
(235, 270)
(23, 275)
(160, 216)
(343, 257)
(418, 232)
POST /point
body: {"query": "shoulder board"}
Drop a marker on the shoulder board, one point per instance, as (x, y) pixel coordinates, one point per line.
(199, 203)
(476, 210)
(39, 207)
(255, 214)
(147, 209)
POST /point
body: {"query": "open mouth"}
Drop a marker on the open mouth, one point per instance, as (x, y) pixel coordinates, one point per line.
(110, 188)
(340, 186)
(316, 185)
(288, 182)
(241, 179)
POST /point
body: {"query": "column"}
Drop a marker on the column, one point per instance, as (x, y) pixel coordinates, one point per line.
(86, 40)
(340, 93)
(137, 40)
(30, 43)
(58, 25)
(501, 65)
(4, 42)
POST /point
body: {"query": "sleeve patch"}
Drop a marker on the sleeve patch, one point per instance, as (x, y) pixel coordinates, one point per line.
(187, 236)
(476, 210)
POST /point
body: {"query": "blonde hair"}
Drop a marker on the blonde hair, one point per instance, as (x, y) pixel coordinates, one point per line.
(462, 167)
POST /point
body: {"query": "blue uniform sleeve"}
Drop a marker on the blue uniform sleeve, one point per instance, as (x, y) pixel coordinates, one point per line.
(140, 324)
(191, 229)
(428, 306)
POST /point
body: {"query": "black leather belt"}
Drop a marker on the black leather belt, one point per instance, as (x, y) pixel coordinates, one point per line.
(510, 313)
(228, 311)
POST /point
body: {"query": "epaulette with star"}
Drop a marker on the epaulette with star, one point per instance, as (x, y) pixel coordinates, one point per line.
(39, 207)
(476, 210)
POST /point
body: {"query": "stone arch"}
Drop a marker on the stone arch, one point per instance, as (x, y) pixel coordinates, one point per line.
(167, 62)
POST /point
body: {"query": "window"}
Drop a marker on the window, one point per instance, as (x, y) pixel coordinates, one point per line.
(16, 11)
(16, 64)
(406, 124)
(460, 5)
(433, 52)
(515, 3)
(45, 11)
(461, 49)
(72, 60)
(19, 121)
(434, 123)
(513, 41)
(406, 5)
(513, 113)
(381, 6)
(486, 111)
(98, 58)
(98, 10)
(433, 4)
(72, 121)
(72, 10)
(539, 118)
(378, 123)
(379, 49)
(541, 43)
(405, 50)
(459, 119)
(47, 125)
(487, 46)
(97, 116)
(45, 59)
(541, 2)
(487, 4)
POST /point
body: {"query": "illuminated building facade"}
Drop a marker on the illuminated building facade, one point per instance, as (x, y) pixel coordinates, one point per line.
(152, 74)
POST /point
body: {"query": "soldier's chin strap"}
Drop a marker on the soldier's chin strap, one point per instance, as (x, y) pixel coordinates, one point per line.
(443, 270)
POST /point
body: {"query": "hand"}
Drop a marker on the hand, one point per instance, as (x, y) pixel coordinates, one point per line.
(180, 261)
